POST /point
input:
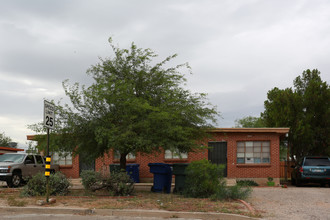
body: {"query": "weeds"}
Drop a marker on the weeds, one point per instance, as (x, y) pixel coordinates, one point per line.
(11, 200)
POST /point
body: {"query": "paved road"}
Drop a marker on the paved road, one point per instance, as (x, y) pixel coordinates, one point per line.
(294, 203)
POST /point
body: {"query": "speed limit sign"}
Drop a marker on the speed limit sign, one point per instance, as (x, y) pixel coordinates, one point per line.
(49, 114)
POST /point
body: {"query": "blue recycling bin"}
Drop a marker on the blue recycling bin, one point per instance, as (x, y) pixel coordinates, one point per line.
(133, 171)
(162, 177)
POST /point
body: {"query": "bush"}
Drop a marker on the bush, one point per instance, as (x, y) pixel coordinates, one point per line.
(246, 183)
(36, 186)
(203, 179)
(90, 178)
(118, 184)
(233, 192)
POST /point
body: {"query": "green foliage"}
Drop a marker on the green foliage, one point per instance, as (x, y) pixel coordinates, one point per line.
(232, 192)
(36, 186)
(306, 110)
(117, 184)
(246, 183)
(203, 179)
(270, 179)
(90, 178)
(250, 122)
(4, 140)
(134, 105)
(59, 184)
(120, 184)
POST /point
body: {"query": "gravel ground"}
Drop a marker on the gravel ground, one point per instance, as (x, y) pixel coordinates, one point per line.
(294, 203)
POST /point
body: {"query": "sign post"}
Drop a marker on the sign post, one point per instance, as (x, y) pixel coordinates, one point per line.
(49, 123)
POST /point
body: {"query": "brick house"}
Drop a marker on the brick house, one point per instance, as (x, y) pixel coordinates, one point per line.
(247, 153)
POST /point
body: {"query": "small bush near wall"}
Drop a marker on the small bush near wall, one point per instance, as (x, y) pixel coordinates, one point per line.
(117, 184)
(247, 183)
(90, 178)
(203, 179)
(36, 186)
(232, 192)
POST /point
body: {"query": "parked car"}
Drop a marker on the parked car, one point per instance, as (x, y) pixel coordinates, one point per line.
(14, 167)
(312, 170)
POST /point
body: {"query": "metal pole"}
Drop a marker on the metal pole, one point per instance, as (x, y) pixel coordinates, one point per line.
(47, 178)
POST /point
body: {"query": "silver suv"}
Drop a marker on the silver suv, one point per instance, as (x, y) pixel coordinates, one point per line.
(14, 167)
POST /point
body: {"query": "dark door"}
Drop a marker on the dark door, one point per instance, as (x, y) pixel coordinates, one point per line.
(86, 162)
(218, 154)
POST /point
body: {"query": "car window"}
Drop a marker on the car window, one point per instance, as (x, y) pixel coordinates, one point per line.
(12, 158)
(39, 159)
(30, 158)
(317, 162)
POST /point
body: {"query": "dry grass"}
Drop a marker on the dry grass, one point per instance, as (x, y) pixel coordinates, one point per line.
(140, 200)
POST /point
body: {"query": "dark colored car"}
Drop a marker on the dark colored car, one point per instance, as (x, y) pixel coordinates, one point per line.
(312, 170)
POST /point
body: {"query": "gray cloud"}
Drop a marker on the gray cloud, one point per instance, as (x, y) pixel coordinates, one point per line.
(238, 50)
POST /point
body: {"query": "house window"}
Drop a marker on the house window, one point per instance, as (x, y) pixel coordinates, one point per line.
(62, 158)
(129, 156)
(169, 154)
(253, 152)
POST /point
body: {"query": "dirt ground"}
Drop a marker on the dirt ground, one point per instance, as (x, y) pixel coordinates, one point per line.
(294, 203)
(140, 200)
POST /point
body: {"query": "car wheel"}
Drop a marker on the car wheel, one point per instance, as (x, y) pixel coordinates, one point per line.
(15, 181)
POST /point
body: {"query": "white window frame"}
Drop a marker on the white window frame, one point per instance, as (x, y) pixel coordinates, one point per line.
(62, 158)
(129, 156)
(175, 154)
(253, 152)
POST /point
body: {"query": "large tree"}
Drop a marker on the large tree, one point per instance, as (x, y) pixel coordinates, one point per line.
(134, 105)
(306, 110)
(4, 140)
(249, 122)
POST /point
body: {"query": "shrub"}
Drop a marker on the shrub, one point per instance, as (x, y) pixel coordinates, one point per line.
(203, 179)
(232, 192)
(117, 184)
(36, 186)
(246, 183)
(90, 178)
(120, 184)
(59, 184)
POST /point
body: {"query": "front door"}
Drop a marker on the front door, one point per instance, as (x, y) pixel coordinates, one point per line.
(86, 162)
(218, 154)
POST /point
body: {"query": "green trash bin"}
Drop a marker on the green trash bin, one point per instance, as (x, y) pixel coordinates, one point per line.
(114, 168)
(180, 176)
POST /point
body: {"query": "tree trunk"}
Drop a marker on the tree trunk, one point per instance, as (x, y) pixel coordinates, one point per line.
(123, 162)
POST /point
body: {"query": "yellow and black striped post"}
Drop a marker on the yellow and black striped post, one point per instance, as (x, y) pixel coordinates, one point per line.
(47, 167)
(47, 174)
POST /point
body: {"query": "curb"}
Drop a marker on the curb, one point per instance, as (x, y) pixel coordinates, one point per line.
(121, 212)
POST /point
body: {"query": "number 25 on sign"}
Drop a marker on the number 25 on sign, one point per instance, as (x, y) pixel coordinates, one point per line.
(49, 114)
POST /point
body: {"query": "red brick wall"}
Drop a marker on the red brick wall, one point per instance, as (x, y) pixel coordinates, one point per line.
(234, 170)
(71, 171)
(102, 164)
(251, 170)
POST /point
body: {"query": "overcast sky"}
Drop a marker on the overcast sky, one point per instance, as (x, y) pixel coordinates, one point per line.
(238, 50)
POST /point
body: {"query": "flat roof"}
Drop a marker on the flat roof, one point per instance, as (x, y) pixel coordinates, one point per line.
(251, 130)
(11, 149)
